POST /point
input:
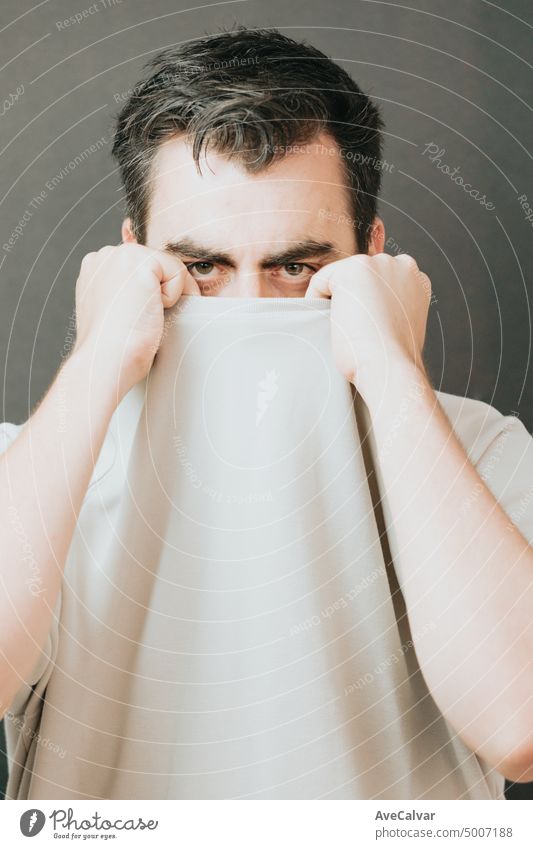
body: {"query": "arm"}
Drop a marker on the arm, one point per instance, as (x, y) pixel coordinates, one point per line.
(121, 294)
(44, 475)
(464, 568)
(466, 571)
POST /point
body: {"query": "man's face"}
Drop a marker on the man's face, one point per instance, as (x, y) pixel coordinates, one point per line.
(243, 235)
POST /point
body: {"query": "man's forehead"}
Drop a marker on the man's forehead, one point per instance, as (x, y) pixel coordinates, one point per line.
(315, 163)
(295, 198)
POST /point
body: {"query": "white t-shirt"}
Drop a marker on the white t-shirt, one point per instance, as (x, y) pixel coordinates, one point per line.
(226, 626)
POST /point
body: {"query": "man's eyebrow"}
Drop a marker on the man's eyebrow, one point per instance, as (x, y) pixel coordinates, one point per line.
(303, 249)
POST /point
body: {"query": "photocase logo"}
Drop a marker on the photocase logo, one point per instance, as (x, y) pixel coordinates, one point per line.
(268, 388)
(32, 822)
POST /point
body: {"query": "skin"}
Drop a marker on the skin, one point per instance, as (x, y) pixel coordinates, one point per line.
(477, 659)
(301, 197)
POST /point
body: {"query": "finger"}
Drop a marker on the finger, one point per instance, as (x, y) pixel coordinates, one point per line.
(319, 285)
(409, 261)
(182, 283)
(425, 285)
(190, 286)
(163, 263)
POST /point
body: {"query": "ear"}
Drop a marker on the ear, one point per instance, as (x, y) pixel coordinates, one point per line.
(127, 232)
(376, 242)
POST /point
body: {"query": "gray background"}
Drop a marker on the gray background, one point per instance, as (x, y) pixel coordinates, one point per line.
(448, 72)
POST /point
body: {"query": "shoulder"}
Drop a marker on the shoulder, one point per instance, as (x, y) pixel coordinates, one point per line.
(116, 444)
(478, 424)
(8, 433)
(501, 448)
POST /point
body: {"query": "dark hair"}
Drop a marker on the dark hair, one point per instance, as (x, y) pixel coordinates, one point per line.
(249, 94)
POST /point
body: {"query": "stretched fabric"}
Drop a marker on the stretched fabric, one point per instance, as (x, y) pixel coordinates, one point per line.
(231, 623)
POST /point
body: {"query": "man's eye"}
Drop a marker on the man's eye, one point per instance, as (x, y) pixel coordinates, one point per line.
(201, 267)
(294, 269)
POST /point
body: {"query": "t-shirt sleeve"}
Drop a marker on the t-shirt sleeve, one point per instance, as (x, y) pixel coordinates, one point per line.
(31, 689)
(505, 466)
(500, 447)
(503, 458)
(8, 433)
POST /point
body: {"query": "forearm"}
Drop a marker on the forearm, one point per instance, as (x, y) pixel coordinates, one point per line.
(44, 476)
(461, 570)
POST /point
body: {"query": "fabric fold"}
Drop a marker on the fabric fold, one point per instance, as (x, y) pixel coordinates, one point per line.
(256, 639)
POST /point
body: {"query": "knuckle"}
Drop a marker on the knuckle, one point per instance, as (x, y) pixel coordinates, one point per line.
(104, 251)
(87, 266)
(128, 249)
(425, 282)
(409, 261)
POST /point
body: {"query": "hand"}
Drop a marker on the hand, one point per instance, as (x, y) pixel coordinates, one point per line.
(379, 309)
(121, 293)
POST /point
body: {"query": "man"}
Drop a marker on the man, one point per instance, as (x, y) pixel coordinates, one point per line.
(251, 166)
